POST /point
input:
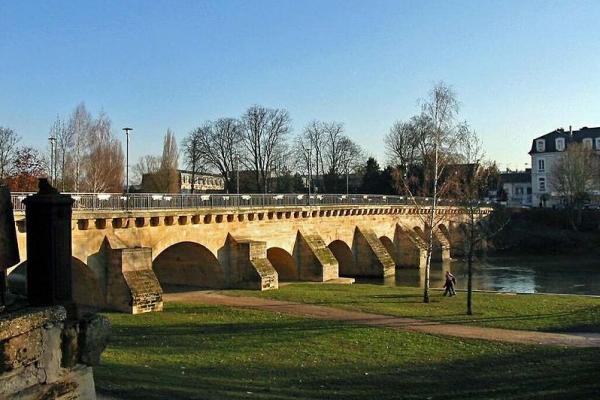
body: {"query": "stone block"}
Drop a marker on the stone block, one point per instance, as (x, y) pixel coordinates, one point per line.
(51, 359)
(13, 382)
(94, 333)
(20, 350)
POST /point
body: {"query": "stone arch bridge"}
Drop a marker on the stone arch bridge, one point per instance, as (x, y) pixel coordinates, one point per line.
(123, 259)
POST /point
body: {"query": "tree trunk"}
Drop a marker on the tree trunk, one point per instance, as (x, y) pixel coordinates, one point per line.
(470, 265)
(470, 281)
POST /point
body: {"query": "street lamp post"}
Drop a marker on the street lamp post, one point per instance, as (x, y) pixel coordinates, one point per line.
(127, 130)
(52, 140)
(309, 151)
(237, 173)
(347, 179)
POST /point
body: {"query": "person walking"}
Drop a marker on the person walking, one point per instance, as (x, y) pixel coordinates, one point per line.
(449, 284)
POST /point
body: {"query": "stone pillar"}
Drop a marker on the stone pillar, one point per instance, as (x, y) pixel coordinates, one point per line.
(48, 225)
(9, 248)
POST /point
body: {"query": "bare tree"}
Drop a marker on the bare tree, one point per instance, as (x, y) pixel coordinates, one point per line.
(8, 147)
(402, 143)
(28, 166)
(472, 186)
(328, 151)
(574, 176)
(437, 131)
(170, 155)
(309, 149)
(192, 156)
(64, 136)
(217, 145)
(148, 164)
(104, 163)
(166, 180)
(79, 126)
(264, 134)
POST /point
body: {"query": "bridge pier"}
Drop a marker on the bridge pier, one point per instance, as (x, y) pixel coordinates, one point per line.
(314, 260)
(131, 285)
(246, 264)
(411, 247)
(441, 247)
(371, 259)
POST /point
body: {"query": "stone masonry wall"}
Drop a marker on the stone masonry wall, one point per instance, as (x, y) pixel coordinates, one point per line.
(42, 355)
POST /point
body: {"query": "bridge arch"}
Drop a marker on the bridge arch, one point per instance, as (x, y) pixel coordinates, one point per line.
(284, 263)
(85, 284)
(343, 254)
(188, 264)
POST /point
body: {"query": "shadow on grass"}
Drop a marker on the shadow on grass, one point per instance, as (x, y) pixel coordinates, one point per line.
(541, 373)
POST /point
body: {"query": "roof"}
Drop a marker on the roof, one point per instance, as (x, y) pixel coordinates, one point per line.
(198, 173)
(576, 137)
(516, 176)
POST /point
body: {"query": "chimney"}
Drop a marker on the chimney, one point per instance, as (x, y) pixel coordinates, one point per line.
(570, 130)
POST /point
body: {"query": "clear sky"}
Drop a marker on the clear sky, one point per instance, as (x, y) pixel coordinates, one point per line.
(520, 68)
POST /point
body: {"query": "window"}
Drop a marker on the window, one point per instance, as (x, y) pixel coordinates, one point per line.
(541, 165)
(598, 143)
(542, 184)
(540, 145)
(587, 143)
(560, 144)
(518, 191)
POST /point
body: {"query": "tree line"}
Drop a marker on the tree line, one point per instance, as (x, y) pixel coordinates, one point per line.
(258, 146)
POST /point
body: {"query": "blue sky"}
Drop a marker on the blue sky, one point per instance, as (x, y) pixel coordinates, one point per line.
(520, 68)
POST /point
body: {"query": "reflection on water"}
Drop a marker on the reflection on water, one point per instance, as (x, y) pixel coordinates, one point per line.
(573, 274)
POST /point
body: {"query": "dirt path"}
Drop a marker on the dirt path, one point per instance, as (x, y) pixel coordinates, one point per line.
(402, 324)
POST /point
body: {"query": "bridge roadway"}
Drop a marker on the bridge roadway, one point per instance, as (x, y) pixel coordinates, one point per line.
(122, 259)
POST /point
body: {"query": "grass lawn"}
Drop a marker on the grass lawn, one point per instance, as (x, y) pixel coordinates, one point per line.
(528, 311)
(209, 352)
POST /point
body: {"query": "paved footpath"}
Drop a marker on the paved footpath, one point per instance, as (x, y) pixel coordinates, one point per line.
(398, 323)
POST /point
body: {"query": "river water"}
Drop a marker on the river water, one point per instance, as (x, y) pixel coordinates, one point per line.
(526, 274)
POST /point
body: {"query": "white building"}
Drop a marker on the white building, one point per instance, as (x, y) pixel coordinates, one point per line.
(517, 187)
(204, 182)
(545, 152)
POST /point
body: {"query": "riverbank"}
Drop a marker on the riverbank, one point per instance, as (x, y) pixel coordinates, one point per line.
(547, 231)
(213, 352)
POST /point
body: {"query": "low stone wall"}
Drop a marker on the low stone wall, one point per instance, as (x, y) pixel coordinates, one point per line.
(45, 356)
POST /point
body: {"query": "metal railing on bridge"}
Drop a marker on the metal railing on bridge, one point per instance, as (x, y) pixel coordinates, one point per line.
(153, 201)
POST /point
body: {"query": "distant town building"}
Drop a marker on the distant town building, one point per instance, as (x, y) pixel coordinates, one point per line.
(545, 152)
(180, 181)
(204, 182)
(517, 189)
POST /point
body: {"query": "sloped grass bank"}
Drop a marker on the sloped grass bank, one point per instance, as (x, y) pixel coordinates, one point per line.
(555, 313)
(209, 352)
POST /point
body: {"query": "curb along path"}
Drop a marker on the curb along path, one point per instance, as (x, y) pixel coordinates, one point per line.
(397, 323)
